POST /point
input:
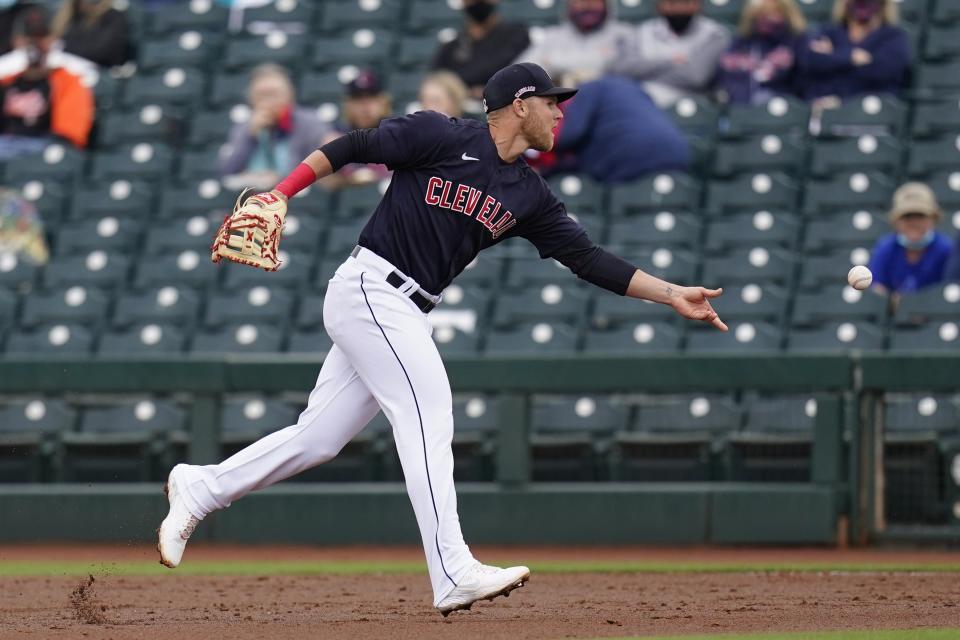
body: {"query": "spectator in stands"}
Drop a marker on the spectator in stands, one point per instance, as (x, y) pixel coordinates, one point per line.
(915, 254)
(485, 45)
(674, 54)
(94, 30)
(443, 91)
(583, 45)
(761, 61)
(9, 10)
(45, 94)
(864, 51)
(277, 135)
(614, 132)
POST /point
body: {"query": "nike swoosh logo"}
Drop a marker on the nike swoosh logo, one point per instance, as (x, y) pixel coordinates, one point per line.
(466, 157)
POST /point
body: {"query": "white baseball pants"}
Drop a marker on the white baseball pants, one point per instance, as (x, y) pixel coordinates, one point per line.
(383, 358)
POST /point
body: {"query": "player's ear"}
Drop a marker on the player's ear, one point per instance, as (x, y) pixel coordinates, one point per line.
(520, 107)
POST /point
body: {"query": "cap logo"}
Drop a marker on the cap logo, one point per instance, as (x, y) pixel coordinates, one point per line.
(524, 90)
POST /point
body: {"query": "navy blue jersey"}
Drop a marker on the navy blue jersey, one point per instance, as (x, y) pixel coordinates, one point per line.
(452, 196)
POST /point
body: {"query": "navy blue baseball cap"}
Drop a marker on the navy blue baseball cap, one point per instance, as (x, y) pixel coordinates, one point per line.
(520, 80)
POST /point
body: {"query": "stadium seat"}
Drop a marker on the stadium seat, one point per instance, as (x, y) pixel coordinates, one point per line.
(928, 156)
(182, 86)
(761, 228)
(609, 310)
(919, 412)
(749, 265)
(149, 123)
(723, 11)
(301, 232)
(633, 11)
(72, 305)
(190, 234)
(695, 116)
(324, 89)
(97, 268)
(776, 442)
(839, 303)
(191, 268)
(259, 305)
(57, 162)
(751, 192)
(743, 337)
(581, 195)
(935, 336)
(198, 197)
(862, 153)
(464, 307)
(524, 273)
(245, 419)
(342, 238)
(532, 338)
(565, 432)
(844, 231)
(858, 190)
(770, 152)
(167, 304)
(199, 16)
(108, 233)
(241, 338)
(50, 340)
(213, 127)
(662, 192)
(341, 15)
(595, 225)
(550, 303)
(818, 271)
(939, 302)
(357, 48)
(26, 429)
(941, 43)
(119, 199)
(638, 338)
(141, 161)
(142, 340)
(8, 308)
(663, 229)
(835, 336)
(945, 12)
(476, 420)
(106, 91)
(17, 273)
(359, 202)
(938, 80)
(668, 264)
(228, 89)
(417, 51)
(277, 47)
(48, 196)
(200, 164)
(935, 118)
(870, 114)
(184, 49)
(315, 341)
(753, 303)
(779, 115)
(295, 270)
(279, 15)
(429, 15)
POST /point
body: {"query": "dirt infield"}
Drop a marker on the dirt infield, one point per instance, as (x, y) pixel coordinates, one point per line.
(552, 605)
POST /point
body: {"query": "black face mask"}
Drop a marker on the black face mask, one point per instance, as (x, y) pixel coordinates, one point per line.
(480, 11)
(679, 23)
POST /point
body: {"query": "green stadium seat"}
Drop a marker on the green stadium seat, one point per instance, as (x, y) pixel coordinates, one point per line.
(463, 306)
(711, 413)
(724, 11)
(258, 305)
(323, 89)
(940, 302)
(301, 232)
(360, 201)
(695, 116)
(48, 196)
(150, 123)
(342, 238)
(141, 161)
(325, 271)
(50, 340)
(749, 265)
(228, 89)
(295, 270)
(175, 305)
(280, 48)
(417, 52)
(753, 303)
(241, 338)
(780, 115)
(938, 80)
(938, 336)
(524, 273)
(839, 303)
(309, 311)
(581, 195)
(71, 305)
(870, 114)
(361, 47)
(404, 87)
(662, 192)
(550, 303)
(663, 229)
(762, 228)
(633, 11)
(770, 152)
(200, 164)
(818, 271)
(189, 268)
(935, 118)
(928, 156)
(668, 264)
(57, 162)
(609, 310)
(836, 336)
(340, 15)
(857, 190)
(921, 412)
(636, 338)
(532, 338)
(118, 443)
(108, 233)
(482, 271)
(314, 341)
(946, 187)
(118, 199)
(941, 43)
(564, 434)
(751, 192)
(776, 443)
(454, 341)
(106, 91)
(594, 224)
(945, 12)
(26, 429)
(200, 16)
(246, 419)
(182, 86)
(844, 231)
(431, 15)
(780, 414)
(213, 127)
(476, 420)
(145, 339)
(193, 233)
(862, 153)
(17, 273)
(97, 268)
(743, 337)
(199, 197)
(185, 49)
(8, 308)
(282, 15)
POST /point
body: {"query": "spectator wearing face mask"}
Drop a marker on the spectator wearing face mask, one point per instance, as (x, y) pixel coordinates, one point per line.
(484, 45)
(915, 254)
(675, 54)
(863, 52)
(583, 45)
(94, 30)
(761, 62)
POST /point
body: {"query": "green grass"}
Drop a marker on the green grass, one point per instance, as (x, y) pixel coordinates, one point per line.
(51, 568)
(903, 634)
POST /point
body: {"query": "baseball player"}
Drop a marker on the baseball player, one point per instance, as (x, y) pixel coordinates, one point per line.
(459, 186)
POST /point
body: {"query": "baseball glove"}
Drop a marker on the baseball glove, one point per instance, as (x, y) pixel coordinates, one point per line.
(251, 234)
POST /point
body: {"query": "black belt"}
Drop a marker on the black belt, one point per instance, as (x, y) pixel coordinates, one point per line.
(395, 280)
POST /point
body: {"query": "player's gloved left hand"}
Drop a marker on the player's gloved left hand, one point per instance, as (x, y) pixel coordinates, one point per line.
(694, 303)
(251, 234)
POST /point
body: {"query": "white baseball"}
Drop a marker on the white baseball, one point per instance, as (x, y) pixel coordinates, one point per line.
(859, 277)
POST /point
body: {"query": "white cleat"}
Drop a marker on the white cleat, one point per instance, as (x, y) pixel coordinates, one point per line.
(483, 582)
(176, 528)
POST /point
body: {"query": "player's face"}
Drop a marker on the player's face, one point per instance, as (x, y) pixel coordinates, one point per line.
(543, 116)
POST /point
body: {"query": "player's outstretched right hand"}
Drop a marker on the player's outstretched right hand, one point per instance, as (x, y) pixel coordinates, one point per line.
(694, 303)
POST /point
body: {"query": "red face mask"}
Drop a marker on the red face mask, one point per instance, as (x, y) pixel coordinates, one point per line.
(863, 10)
